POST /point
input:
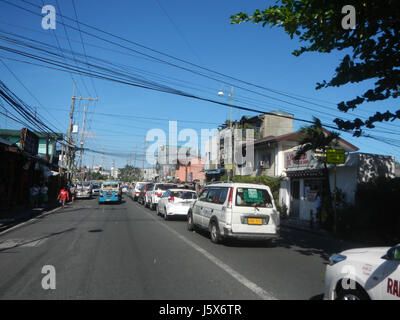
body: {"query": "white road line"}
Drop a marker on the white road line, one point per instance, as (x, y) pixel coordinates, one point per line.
(236, 275)
(26, 222)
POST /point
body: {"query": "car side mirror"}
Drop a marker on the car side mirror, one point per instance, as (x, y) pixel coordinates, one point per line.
(393, 254)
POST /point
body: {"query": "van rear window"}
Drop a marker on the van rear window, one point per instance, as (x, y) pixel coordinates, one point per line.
(253, 197)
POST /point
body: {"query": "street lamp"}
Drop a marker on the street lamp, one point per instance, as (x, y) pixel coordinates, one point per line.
(221, 93)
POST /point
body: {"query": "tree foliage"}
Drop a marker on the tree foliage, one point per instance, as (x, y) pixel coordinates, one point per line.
(314, 138)
(374, 46)
(129, 173)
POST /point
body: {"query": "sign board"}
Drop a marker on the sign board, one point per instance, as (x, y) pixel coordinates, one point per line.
(228, 167)
(303, 161)
(335, 156)
(29, 142)
(252, 195)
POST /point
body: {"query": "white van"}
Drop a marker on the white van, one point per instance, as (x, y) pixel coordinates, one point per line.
(235, 210)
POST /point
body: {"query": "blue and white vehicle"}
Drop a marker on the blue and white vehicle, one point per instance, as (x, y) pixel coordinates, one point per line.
(110, 192)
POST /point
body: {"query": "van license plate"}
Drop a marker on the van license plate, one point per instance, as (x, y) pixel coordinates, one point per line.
(254, 221)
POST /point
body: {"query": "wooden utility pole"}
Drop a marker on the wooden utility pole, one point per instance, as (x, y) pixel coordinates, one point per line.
(68, 153)
(144, 151)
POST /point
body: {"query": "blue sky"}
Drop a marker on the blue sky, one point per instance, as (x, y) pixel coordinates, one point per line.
(196, 31)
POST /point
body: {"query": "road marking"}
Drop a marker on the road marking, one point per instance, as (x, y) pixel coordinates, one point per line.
(236, 275)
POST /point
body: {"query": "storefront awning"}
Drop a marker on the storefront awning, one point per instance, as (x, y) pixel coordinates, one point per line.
(219, 171)
(305, 173)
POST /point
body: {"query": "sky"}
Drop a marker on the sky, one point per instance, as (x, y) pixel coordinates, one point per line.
(195, 31)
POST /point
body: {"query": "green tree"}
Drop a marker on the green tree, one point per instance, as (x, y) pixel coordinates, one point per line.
(374, 44)
(129, 174)
(316, 139)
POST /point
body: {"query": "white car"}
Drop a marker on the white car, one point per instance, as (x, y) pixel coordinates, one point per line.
(176, 202)
(136, 190)
(235, 210)
(155, 194)
(362, 274)
(83, 190)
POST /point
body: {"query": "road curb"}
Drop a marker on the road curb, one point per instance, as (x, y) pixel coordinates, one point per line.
(15, 225)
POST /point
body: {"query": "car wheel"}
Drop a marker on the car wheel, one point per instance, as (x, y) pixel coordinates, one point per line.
(214, 233)
(190, 224)
(352, 294)
(157, 210)
(166, 217)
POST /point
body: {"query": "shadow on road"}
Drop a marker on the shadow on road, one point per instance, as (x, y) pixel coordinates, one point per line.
(311, 245)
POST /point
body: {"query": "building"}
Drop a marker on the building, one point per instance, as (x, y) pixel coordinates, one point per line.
(114, 172)
(149, 174)
(167, 160)
(304, 179)
(265, 128)
(36, 143)
(21, 166)
(189, 170)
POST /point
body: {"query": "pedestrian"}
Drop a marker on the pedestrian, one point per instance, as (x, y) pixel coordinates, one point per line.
(72, 190)
(43, 194)
(63, 196)
(34, 195)
(318, 206)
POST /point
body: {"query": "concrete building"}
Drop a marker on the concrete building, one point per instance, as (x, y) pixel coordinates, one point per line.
(190, 169)
(167, 160)
(304, 179)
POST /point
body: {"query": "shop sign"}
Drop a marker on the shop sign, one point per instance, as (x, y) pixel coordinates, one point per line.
(29, 142)
(303, 161)
(335, 156)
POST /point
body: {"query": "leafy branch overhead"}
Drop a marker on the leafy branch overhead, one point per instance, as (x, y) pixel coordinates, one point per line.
(374, 45)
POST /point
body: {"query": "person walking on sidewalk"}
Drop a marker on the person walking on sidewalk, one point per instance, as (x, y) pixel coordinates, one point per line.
(34, 195)
(43, 194)
(63, 196)
(72, 190)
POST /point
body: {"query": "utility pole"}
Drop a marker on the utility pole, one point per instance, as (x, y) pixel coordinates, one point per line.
(68, 153)
(144, 151)
(134, 163)
(102, 158)
(232, 136)
(82, 137)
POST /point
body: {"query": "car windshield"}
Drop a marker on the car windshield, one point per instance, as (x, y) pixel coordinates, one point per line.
(110, 186)
(184, 194)
(253, 197)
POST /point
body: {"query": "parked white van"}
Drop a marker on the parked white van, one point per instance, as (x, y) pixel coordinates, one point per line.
(235, 210)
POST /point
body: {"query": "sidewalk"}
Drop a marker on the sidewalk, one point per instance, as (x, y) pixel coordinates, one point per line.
(14, 216)
(303, 225)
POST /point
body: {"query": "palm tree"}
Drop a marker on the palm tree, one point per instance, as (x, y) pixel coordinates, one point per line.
(315, 138)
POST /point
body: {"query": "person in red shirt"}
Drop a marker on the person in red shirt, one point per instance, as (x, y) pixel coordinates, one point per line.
(63, 196)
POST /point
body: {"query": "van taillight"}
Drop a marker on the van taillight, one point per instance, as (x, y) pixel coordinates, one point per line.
(229, 206)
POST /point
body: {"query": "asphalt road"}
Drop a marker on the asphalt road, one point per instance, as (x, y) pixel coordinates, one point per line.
(125, 251)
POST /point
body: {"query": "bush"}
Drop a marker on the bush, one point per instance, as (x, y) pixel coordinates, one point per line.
(272, 182)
